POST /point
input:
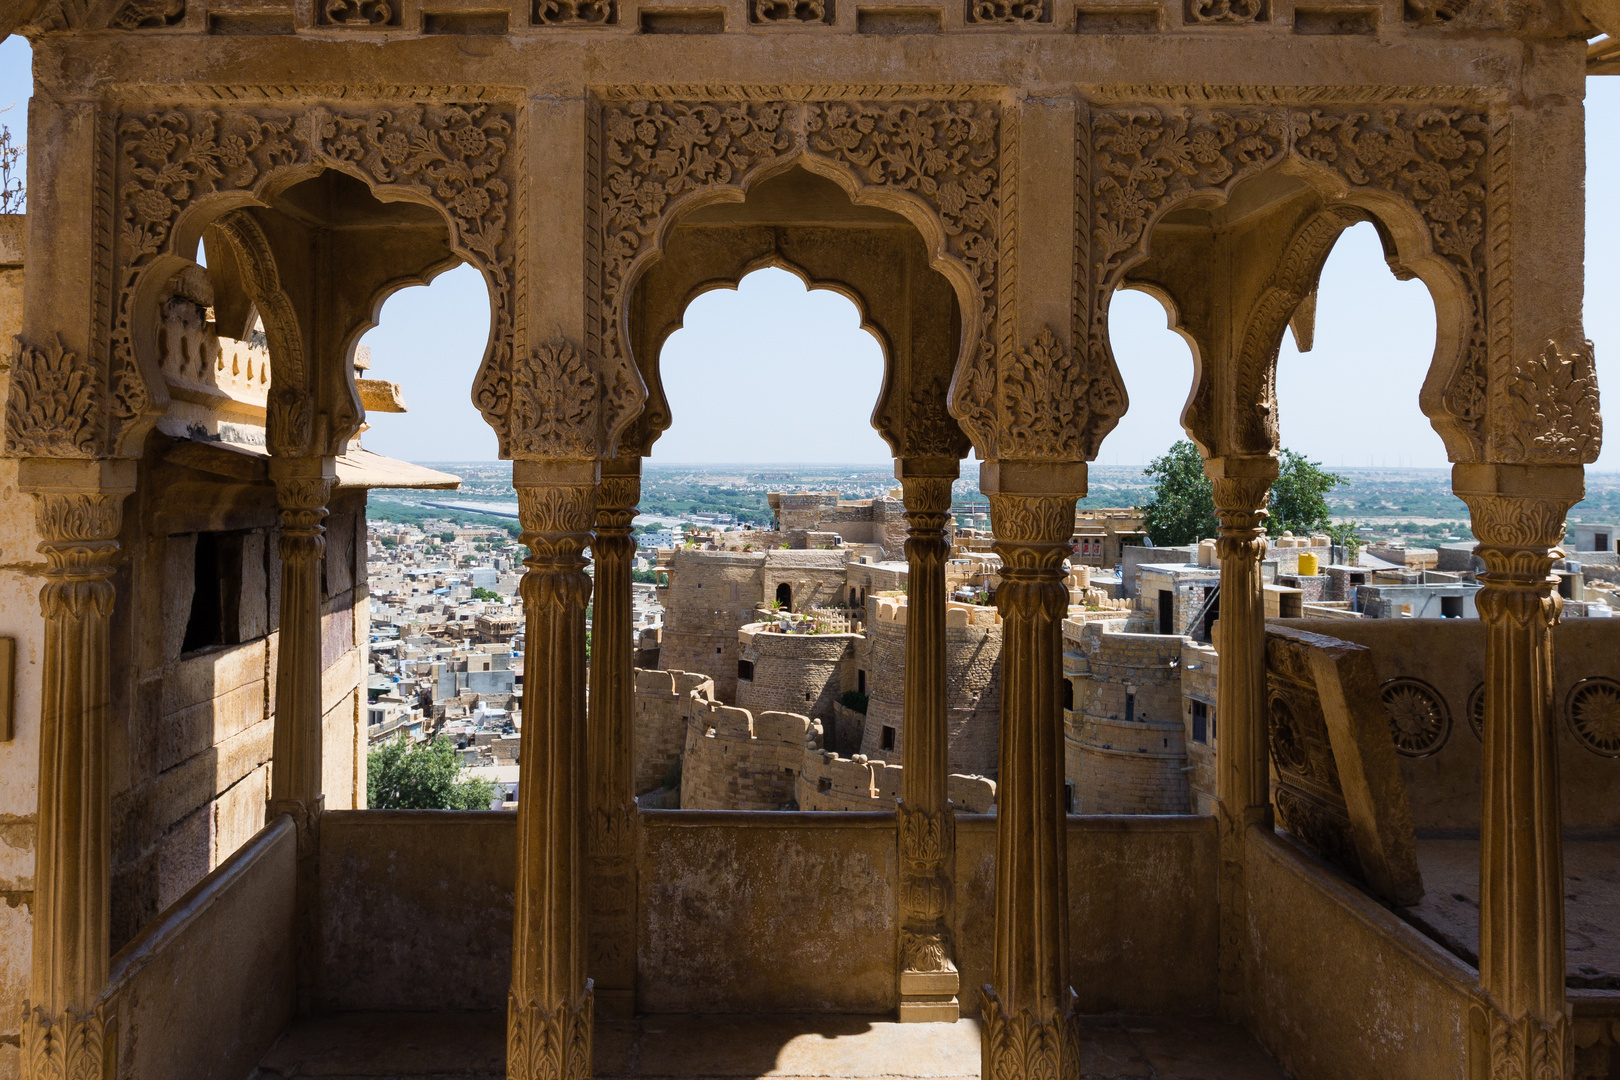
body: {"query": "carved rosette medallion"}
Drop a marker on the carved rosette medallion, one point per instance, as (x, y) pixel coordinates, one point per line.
(655, 154)
(1418, 717)
(1145, 160)
(1593, 713)
(164, 161)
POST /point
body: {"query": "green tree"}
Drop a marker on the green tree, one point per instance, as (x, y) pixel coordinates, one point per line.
(1347, 536)
(390, 542)
(447, 536)
(1182, 509)
(481, 593)
(1298, 496)
(422, 776)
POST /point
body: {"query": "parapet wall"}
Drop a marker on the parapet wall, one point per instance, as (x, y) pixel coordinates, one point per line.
(736, 761)
(665, 702)
(799, 673)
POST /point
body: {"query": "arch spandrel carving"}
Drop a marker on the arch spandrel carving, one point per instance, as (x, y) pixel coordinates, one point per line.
(1421, 164)
(167, 169)
(937, 162)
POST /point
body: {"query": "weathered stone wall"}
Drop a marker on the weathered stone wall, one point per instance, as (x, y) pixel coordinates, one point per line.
(736, 761)
(664, 703)
(799, 673)
(710, 596)
(830, 782)
(972, 684)
(1446, 657)
(1125, 744)
(1200, 672)
(816, 578)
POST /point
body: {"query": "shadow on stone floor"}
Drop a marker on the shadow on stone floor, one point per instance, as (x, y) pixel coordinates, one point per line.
(469, 1046)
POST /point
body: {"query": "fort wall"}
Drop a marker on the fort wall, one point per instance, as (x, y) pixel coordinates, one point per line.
(664, 704)
(1125, 739)
(800, 673)
(736, 761)
(710, 596)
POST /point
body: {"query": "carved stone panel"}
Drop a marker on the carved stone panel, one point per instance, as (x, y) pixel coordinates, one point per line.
(1338, 786)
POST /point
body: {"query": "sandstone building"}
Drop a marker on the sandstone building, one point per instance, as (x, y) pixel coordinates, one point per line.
(980, 178)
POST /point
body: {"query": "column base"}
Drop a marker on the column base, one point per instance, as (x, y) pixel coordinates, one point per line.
(68, 1045)
(1523, 1048)
(549, 1044)
(1029, 1047)
(929, 997)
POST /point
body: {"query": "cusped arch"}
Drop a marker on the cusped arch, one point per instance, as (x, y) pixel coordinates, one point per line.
(663, 159)
(178, 169)
(1417, 171)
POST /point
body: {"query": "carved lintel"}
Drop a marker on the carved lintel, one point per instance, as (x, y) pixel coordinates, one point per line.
(1026, 1046)
(550, 1042)
(68, 1046)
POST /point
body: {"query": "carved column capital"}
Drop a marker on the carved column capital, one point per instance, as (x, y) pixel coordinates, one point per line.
(1517, 512)
(1032, 535)
(79, 539)
(1241, 487)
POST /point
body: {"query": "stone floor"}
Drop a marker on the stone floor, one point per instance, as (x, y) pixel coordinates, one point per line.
(1449, 912)
(468, 1046)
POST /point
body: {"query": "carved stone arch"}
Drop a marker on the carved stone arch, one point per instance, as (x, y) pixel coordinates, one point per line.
(662, 152)
(169, 169)
(1426, 163)
(1196, 425)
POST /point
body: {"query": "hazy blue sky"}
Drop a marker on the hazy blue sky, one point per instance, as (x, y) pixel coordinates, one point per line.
(771, 372)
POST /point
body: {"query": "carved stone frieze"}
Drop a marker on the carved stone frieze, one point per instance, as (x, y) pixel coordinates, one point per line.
(656, 154)
(1227, 12)
(166, 160)
(575, 12)
(1552, 413)
(357, 13)
(1009, 11)
(789, 12)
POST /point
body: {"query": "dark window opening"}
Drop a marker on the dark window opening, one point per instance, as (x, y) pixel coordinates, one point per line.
(1130, 706)
(1451, 607)
(216, 592)
(1200, 713)
(717, 649)
(1566, 586)
(887, 737)
(1167, 612)
(784, 596)
(1068, 798)
(854, 597)
(745, 670)
(1600, 541)
(860, 682)
(824, 785)
(1068, 694)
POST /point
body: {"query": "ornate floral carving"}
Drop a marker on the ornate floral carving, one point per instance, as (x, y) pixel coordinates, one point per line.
(149, 14)
(1526, 1049)
(455, 156)
(1009, 11)
(1594, 715)
(1026, 1047)
(65, 1047)
(575, 12)
(556, 404)
(55, 403)
(549, 1043)
(925, 888)
(357, 13)
(556, 529)
(1056, 405)
(790, 11)
(1418, 717)
(1552, 413)
(1476, 711)
(1215, 12)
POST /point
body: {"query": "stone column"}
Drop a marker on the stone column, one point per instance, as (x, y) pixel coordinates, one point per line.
(303, 486)
(1029, 1017)
(611, 745)
(929, 982)
(78, 506)
(1518, 515)
(548, 1017)
(1242, 485)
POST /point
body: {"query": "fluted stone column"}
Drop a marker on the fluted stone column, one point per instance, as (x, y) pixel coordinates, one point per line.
(929, 982)
(78, 507)
(1518, 516)
(548, 1019)
(611, 745)
(1242, 485)
(1029, 1022)
(303, 487)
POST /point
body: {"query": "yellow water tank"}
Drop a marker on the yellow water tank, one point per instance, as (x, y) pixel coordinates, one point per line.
(1307, 564)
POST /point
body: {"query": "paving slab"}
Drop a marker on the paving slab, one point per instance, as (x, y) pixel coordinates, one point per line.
(471, 1046)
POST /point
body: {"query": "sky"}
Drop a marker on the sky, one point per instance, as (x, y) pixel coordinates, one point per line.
(771, 372)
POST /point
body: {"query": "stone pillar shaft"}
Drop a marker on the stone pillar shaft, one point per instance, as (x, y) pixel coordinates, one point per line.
(1242, 746)
(548, 1029)
(1029, 1006)
(929, 981)
(1518, 516)
(611, 743)
(302, 493)
(63, 1025)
